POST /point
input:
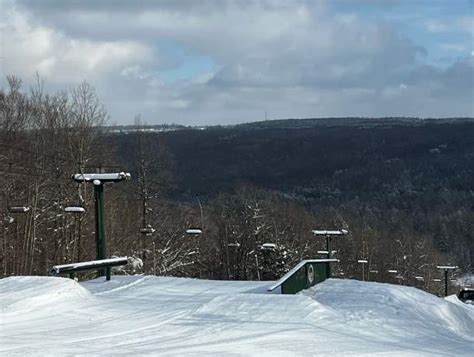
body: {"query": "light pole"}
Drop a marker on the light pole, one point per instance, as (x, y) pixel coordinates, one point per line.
(373, 271)
(98, 180)
(329, 235)
(8, 245)
(419, 280)
(363, 262)
(75, 210)
(234, 246)
(446, 269)
(393, 271)
(198, 232)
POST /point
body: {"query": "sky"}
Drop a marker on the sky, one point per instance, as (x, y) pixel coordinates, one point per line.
(208, 62)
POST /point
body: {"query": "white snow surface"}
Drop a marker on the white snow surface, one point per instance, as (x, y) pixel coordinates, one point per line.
(161, 316)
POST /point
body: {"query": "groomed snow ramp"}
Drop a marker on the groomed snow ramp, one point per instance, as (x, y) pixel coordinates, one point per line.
(143, 315)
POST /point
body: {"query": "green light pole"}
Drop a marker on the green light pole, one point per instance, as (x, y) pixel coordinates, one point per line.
(446, 269)
(99, 180)
(329, 235)
(99, 221)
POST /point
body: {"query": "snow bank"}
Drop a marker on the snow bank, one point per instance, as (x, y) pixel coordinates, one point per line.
(398, 313)
(29, 294)
(144, 315)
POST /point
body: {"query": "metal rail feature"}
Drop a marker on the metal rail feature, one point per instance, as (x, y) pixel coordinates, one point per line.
(86, 266)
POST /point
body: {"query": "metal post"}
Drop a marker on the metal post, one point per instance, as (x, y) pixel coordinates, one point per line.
(446, 268)
(99, 227)
(445, 282)
(202, 215)
(256, 262)
(363, 262)
(154, 258)
(328, 248)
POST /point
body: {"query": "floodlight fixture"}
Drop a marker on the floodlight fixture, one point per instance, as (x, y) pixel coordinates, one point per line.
(18, 209)
(399, 277)
(149, 230)
(100, 178)
(446, 267)
(194, 231)
(437, 280)
(362, 261)
(322, 252)
(340, 232)
(74, 209)
(268, 246)
(392, 271)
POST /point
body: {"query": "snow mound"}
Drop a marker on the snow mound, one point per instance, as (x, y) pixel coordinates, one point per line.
(260, 307)
(395, 309)
(30, 293)
(164, 316)
(454, 299)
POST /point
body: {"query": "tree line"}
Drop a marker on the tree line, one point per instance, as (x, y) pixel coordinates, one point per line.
(251, 227)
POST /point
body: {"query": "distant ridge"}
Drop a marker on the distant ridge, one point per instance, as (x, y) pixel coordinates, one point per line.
(294, 123)
(158, 128)
(349, 121)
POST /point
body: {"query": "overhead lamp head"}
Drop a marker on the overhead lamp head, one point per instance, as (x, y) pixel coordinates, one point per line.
(19, 209)
(101, 178)
(147, 230)
(194, 231)
(74, 209)
(446, 267)
(319, 232)
(268, 246)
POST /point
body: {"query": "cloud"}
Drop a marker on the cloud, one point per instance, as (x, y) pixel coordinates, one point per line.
(461, 23)
(211, 62)
(31, 47)
(466, 23)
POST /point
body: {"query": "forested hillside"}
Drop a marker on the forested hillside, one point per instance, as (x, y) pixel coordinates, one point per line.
(403, 188)
(395, 177)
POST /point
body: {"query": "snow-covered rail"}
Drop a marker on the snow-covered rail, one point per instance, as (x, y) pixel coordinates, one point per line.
(90, 265)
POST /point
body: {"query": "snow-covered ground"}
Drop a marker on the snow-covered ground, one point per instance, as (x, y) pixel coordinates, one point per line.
(144, 315)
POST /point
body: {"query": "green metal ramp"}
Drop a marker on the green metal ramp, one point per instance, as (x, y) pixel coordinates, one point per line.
(306, 274)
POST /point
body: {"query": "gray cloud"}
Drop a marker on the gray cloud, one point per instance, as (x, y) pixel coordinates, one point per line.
(290, 59)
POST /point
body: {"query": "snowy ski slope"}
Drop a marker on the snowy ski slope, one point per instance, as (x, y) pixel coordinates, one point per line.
(144, 315)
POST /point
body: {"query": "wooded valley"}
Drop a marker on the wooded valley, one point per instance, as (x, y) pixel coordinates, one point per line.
(402, 187)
